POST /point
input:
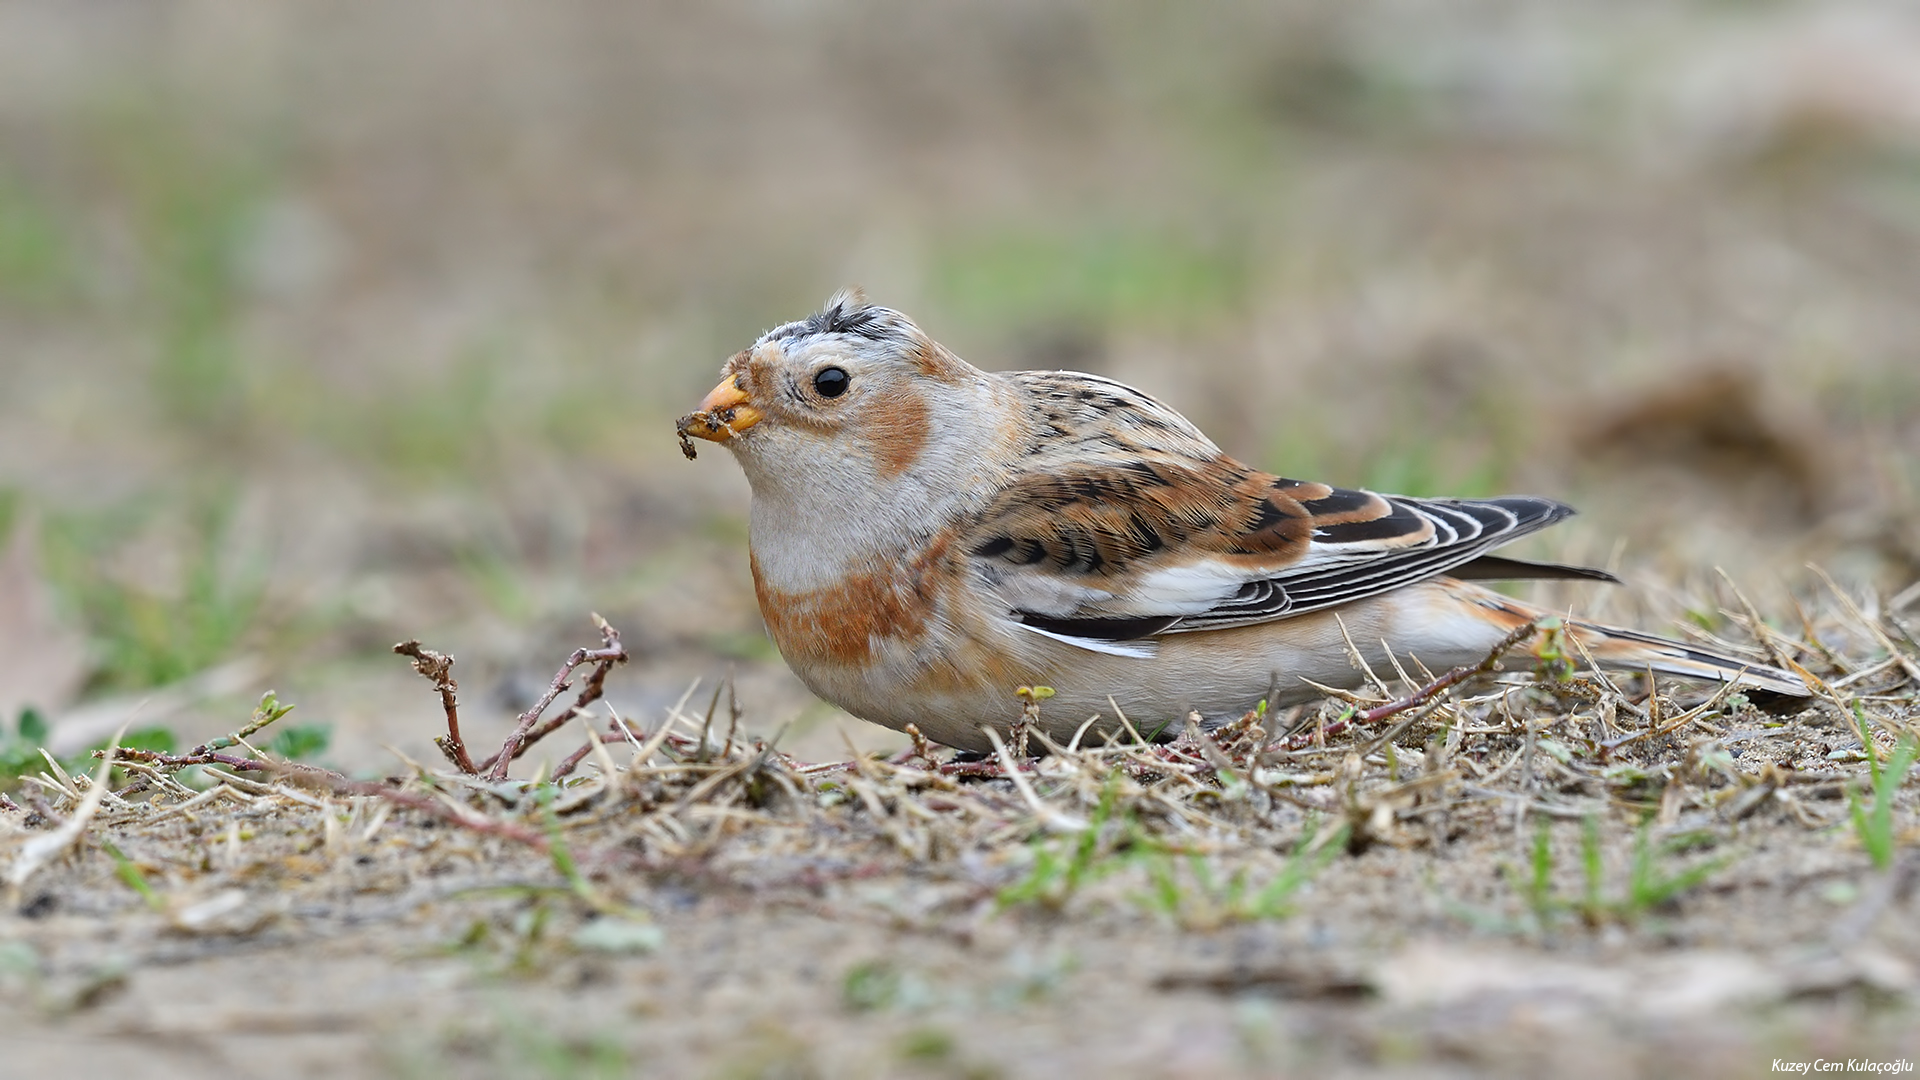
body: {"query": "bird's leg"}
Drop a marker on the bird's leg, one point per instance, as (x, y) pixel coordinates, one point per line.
(1030, 697)
(922, 748)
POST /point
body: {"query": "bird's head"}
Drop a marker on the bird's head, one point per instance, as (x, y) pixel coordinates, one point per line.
(856, 394)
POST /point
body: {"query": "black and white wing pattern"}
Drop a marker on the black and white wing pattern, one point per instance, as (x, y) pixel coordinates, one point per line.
(1126, 523)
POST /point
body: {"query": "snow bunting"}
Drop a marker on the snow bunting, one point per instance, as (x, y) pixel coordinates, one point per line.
(927, 537)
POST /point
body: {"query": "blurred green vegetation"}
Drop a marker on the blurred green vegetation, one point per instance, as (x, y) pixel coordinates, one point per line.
(1111, 276)
(499, 574)
(9, 511)
(38, 266)
(190, 198)
(1408, 460)
(300, 742)
(468, 424)
(442, 428)
(151, 634)
(1398, 444)
(20, 753)
(20, 747)
(532, 254)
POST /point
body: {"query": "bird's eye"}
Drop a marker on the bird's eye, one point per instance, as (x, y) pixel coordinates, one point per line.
(830, 382)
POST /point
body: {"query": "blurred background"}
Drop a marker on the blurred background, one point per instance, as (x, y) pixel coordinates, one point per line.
(325, 325)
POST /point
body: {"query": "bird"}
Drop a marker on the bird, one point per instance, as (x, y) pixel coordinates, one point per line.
(927, 538)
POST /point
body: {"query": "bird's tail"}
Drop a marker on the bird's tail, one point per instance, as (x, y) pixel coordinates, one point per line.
(1630, 650)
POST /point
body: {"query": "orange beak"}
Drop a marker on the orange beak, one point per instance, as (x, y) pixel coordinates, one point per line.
(722, 414)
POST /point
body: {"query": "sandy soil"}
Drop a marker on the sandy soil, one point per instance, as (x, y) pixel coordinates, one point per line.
(1488, 903)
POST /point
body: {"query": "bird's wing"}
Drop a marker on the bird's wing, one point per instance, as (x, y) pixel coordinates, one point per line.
(1122, 551)
(1123, 522)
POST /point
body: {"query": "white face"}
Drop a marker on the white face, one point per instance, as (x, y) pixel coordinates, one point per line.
(853, 428)
(853, 396)
(830, 405)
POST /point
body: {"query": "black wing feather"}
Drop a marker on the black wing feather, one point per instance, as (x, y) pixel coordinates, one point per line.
(1464, 531)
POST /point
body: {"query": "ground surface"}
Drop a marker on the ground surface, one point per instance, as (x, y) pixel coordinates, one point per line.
(328, 328)
(1481, 898)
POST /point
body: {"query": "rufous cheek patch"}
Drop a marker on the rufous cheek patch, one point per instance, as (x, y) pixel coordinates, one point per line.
(898, 432)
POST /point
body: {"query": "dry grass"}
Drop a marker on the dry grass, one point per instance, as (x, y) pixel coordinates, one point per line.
(1580, 815)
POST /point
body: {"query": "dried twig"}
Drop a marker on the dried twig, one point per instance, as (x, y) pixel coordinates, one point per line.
(438, 669)
(41, 850)
(603, 659)
(1872, 626)
(175, 762)
(333, 783)
(1419, 697)
(1053, 819)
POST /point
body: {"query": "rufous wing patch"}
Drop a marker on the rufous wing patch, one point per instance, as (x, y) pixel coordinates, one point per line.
(1109, 519)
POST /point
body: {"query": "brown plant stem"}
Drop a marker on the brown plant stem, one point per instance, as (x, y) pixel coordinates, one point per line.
(1416, 699)
(523, 736)
(438, 669)
(326, 780)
